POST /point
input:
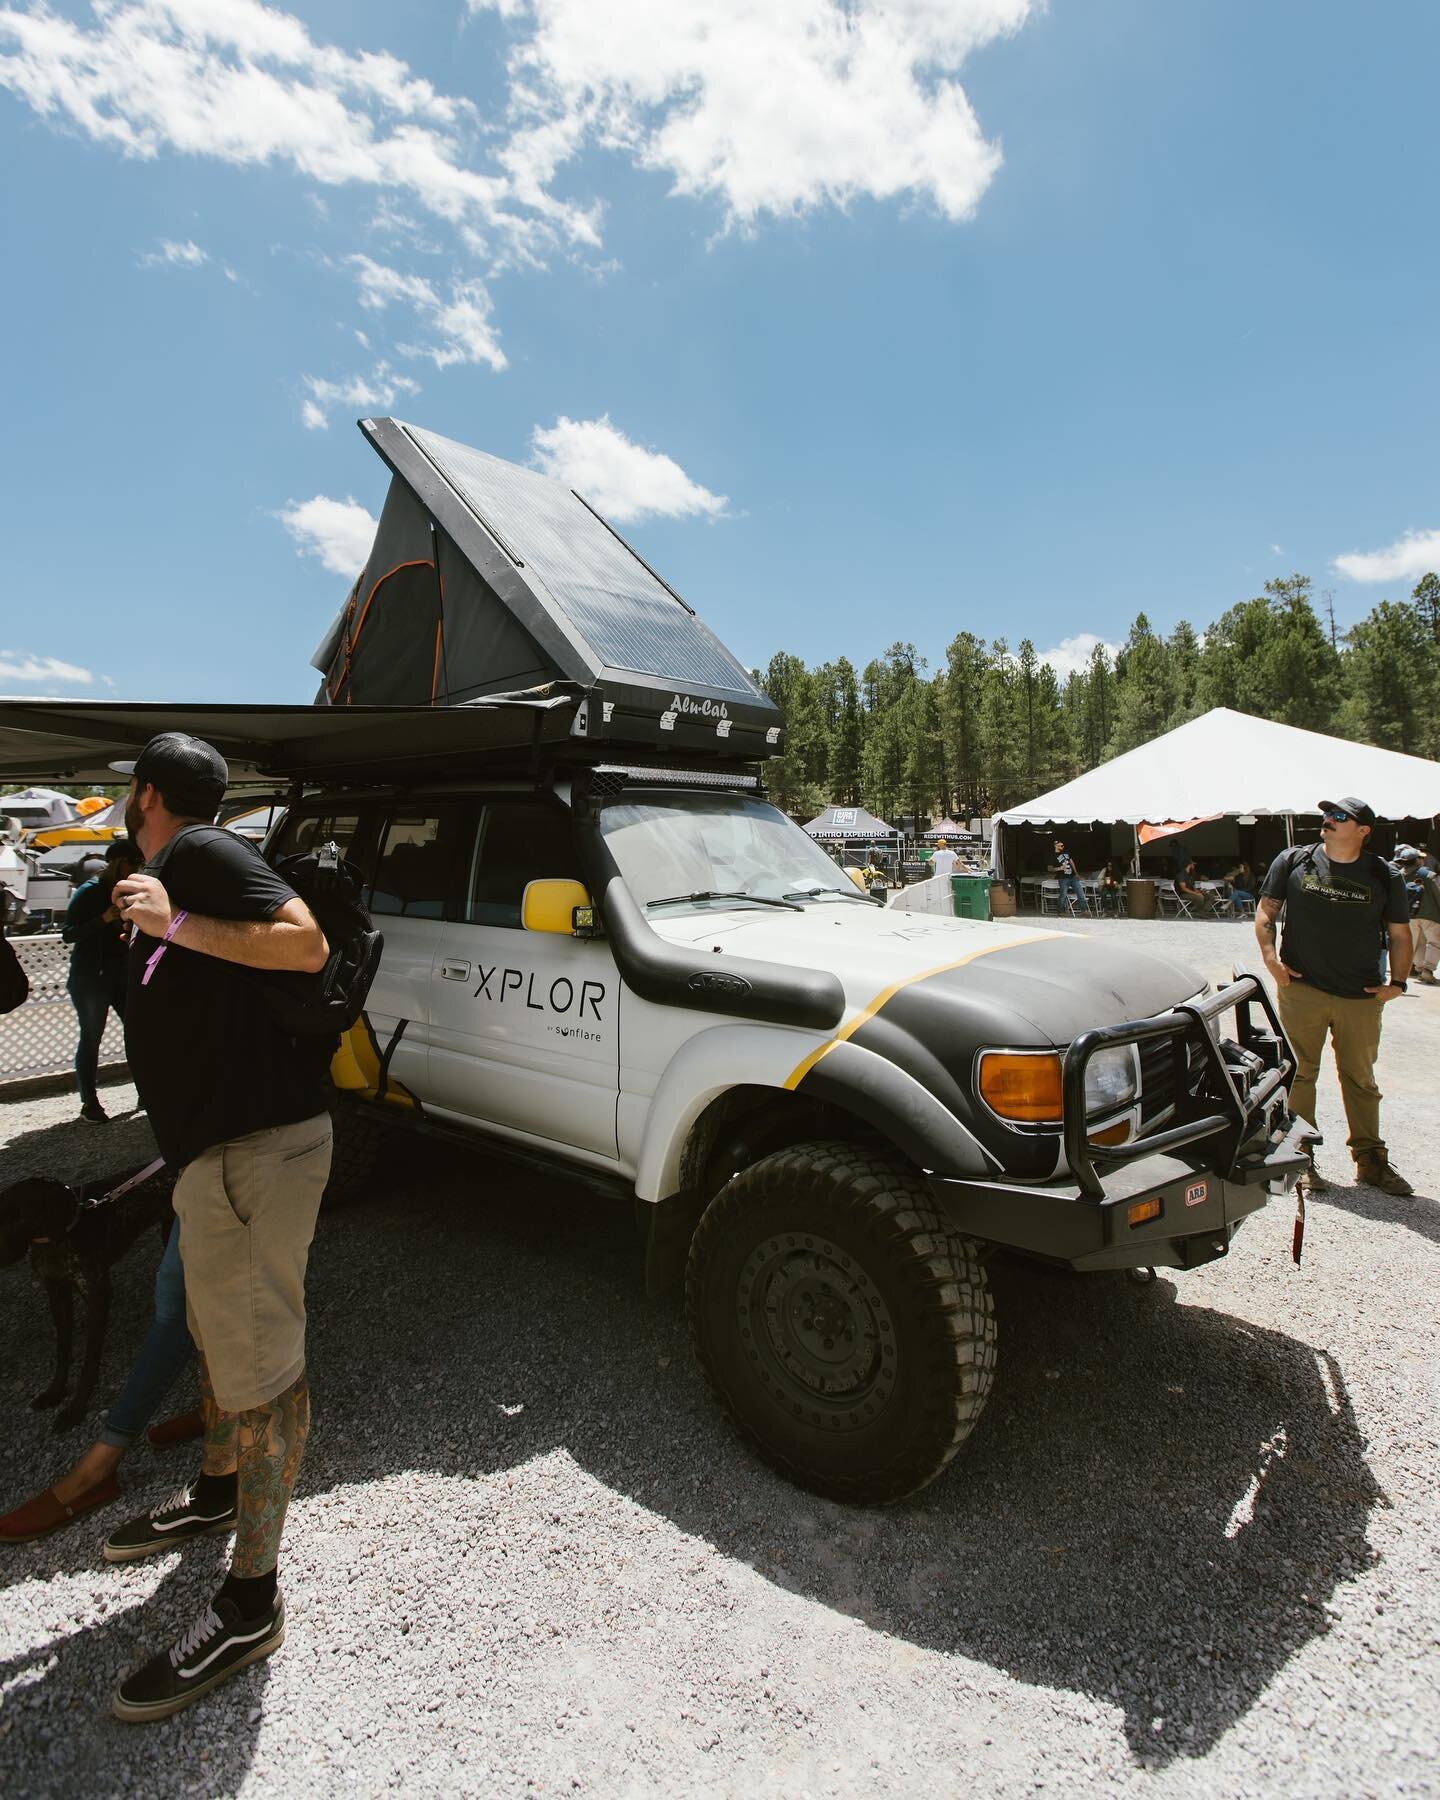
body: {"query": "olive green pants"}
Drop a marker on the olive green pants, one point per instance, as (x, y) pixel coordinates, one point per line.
(1353, 1026)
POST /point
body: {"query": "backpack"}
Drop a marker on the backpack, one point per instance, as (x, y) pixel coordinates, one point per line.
(331, 1000)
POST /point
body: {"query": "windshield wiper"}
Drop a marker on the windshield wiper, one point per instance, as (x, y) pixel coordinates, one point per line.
(713, 894)
(850, 893)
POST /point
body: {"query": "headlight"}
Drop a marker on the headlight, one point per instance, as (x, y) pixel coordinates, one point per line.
(1022, 1085)
(1111, 1079)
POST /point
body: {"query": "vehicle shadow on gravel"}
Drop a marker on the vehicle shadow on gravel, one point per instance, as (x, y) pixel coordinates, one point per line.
(1155, 1510)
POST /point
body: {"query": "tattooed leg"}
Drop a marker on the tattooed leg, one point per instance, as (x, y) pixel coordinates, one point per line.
(271, 1446)
(219, 1454)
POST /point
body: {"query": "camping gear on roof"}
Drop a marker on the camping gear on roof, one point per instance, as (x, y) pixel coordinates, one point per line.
(489, 579)
(36, 807)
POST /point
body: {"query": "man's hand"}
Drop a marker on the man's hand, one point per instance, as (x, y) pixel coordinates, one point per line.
(142, 902)
(1388, 992)
(1282, 972)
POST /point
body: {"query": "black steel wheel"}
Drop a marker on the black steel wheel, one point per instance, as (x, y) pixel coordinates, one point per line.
(845, 1329)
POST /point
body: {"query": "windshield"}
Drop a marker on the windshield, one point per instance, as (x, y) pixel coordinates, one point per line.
(672, 846)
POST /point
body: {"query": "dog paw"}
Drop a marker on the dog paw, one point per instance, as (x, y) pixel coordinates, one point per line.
(50, 1397)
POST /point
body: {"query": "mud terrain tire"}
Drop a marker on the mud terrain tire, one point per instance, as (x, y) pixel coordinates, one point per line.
(355, 1151)
(842, 1325)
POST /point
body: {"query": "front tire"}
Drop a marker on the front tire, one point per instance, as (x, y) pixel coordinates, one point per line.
(842, 1325)
(356, 1143)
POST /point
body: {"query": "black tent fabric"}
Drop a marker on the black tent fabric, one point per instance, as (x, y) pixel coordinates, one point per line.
(486, 578)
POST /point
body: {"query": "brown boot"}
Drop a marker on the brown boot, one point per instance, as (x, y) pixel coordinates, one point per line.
(1372, 1167)
(1312, 1180)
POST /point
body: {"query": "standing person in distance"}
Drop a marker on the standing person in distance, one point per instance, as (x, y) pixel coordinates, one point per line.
(239, 1110)
(1064, 867)
(1424, 886)
(95, 980)
(943, 861)
(1341, 905)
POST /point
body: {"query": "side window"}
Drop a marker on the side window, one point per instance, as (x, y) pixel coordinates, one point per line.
(345, 826)
(420, 862)
(519, 841)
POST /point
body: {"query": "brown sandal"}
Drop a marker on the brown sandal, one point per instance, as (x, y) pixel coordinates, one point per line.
(47, 1512)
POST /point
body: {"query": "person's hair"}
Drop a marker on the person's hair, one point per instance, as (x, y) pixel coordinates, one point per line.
(181, 805)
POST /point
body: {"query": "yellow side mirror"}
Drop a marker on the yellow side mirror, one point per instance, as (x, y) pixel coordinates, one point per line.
(858, 877)
(550, 905)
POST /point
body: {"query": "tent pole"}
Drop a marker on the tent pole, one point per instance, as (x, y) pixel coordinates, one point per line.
(1289, 831)
(1135, 859)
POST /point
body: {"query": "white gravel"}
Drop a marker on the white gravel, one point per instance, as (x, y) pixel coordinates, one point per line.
(1191, 1548)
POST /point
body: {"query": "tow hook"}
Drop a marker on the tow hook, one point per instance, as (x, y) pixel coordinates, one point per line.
(1141, 1277)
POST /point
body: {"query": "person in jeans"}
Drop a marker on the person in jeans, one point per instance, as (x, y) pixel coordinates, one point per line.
(1340, 903)
(91, 1482)
(1070, 889)
(96, 977)
(239, 1109)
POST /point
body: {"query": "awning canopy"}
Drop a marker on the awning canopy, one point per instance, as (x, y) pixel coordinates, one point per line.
(947, 828)
(1227, 764)
(850, 823)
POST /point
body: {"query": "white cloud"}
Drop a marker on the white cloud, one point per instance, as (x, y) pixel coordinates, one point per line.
(1407, 559)
(246, 84)
(21, 665)
(460, 320)
(339, 532)
(373, 393)
(773, 106)
(176, 256)
(1071, 656)
(620, 479)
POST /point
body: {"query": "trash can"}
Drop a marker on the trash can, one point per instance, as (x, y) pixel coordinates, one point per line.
(971, 896)
(1140, 897)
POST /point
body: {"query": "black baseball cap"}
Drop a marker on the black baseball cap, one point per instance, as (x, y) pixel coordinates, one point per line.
(191, 774)
(1357, 809)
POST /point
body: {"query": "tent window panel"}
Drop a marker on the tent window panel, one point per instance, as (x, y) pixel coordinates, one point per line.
(420, 863)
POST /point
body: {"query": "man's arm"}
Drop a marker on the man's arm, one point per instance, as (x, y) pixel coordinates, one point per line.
(288, 939)
(1267, 918)
(1402, 954)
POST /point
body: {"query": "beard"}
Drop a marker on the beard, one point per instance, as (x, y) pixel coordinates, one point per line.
(134, 820)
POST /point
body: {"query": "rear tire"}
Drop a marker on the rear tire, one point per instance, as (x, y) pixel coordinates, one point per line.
(845, 1329)
(356, 1144)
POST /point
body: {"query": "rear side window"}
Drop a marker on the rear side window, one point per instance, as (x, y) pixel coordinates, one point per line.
(420, 864)
(303, 831)
(519, 841)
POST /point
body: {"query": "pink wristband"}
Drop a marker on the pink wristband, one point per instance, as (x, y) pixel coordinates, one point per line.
(176, 921)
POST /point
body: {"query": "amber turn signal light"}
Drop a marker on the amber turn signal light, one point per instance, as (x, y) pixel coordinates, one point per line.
(1023, 1087)
(1112, 1134)
(1142, 1210)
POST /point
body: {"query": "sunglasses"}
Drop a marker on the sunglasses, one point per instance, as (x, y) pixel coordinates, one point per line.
(1335, 818)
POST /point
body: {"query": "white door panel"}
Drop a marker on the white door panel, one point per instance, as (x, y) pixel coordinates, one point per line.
(401, 990)
(524, 1033)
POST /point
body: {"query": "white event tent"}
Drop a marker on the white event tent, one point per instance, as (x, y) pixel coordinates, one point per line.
(1228, 765)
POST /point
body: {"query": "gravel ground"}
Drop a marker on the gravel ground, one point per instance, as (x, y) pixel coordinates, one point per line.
(1190, 1548)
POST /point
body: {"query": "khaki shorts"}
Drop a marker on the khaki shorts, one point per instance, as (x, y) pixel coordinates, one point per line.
(247, 1214)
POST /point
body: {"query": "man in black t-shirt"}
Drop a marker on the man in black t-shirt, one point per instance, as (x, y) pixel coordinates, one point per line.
(1342, 905)
(239, 1112)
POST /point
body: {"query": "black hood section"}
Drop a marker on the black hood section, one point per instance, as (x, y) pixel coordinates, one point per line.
(1041, 994)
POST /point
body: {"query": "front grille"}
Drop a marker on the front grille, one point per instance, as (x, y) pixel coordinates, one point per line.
(1157, 1078)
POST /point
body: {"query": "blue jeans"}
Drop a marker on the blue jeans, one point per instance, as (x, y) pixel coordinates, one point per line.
(1070, 884)
(165, 1352)
(91, 1000)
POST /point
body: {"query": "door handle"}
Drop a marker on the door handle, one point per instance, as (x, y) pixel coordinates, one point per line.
(455, 971)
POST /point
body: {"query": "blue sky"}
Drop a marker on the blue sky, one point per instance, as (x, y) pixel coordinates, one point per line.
(862, 321)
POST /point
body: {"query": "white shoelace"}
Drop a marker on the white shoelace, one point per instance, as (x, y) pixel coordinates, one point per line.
(180, 1498)
(202, 1630)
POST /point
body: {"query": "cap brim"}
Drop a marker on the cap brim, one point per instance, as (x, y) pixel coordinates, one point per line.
(123, 768)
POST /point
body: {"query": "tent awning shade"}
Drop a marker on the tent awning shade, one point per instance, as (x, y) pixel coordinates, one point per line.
(1226, 763)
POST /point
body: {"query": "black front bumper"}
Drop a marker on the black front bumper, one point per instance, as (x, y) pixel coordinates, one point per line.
(1200, 1211)
(1230, 1144)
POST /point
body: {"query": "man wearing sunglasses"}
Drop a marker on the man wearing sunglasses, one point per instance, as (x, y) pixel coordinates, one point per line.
(1342, 905)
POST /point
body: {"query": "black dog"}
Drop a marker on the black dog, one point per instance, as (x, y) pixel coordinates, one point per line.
(72, 1248)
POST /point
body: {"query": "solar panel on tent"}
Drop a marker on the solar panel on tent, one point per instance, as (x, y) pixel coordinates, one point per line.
(623, 611)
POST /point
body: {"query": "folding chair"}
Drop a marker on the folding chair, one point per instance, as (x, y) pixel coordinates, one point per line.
(1170, 895)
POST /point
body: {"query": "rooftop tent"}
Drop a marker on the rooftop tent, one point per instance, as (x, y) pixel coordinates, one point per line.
(486, 578)
(850, 823)
(37, 806)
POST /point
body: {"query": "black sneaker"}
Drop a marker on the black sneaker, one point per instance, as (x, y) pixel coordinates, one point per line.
(215, 1647)
(94, 1113)
(165, 1526)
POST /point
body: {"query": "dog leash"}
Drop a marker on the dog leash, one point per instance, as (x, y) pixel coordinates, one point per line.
(151, 1168)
